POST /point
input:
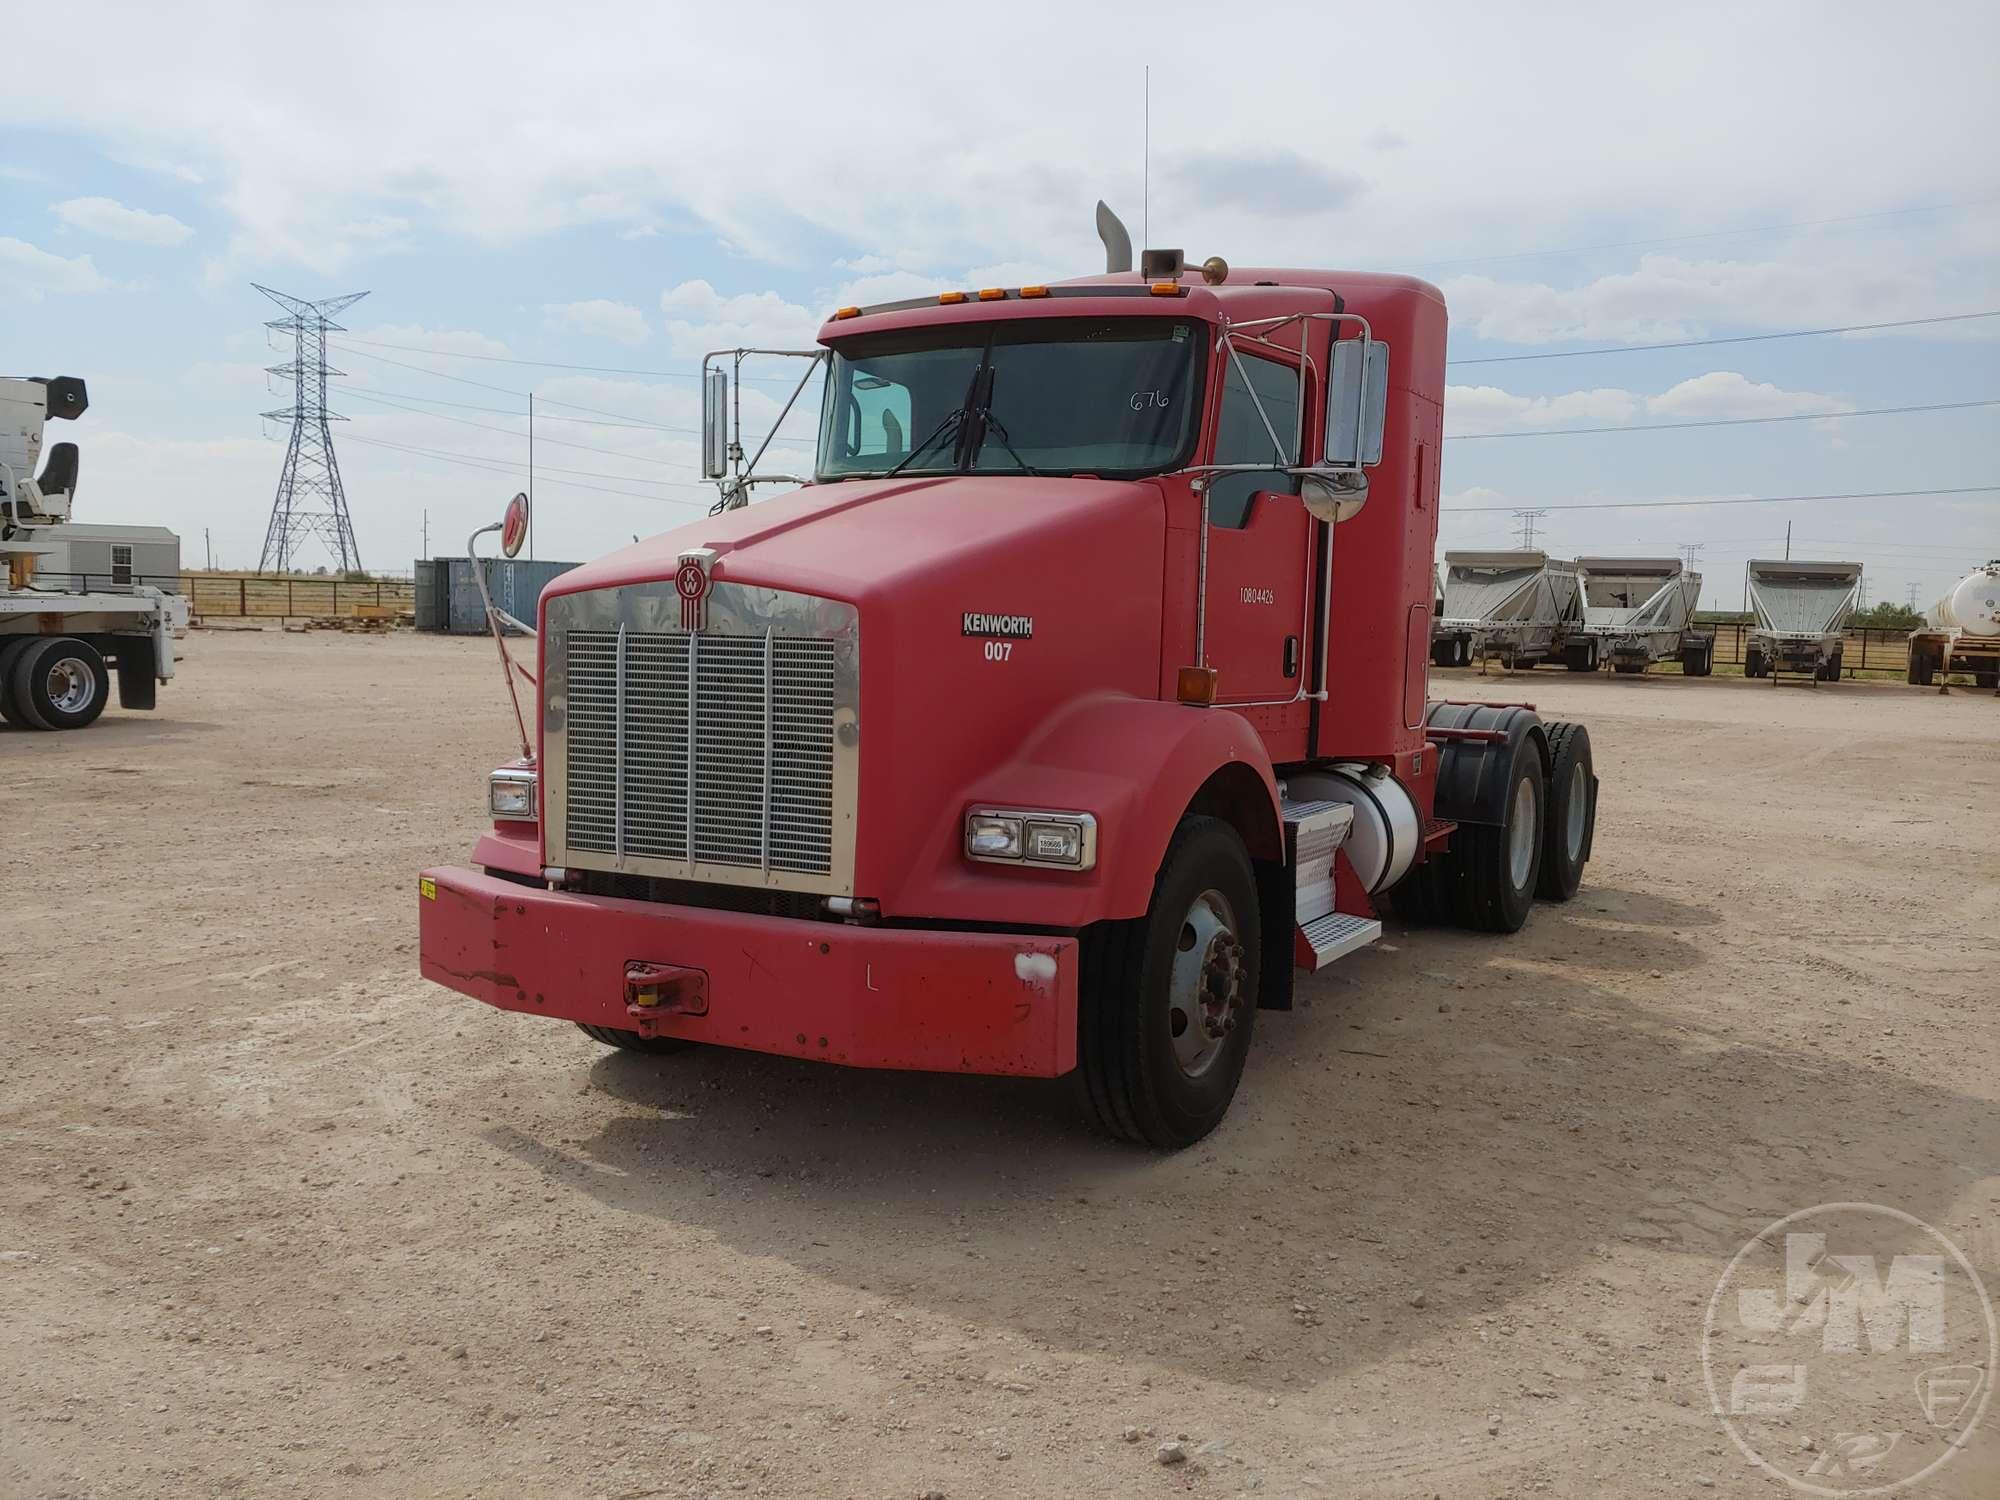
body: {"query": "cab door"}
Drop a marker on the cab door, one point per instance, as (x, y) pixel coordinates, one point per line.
(1259, 539)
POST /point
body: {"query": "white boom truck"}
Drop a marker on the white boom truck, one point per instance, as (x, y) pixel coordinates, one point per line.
(58, 648)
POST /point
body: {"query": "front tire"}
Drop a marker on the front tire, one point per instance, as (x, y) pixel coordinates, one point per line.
(1167, 1002)
(632, 1041)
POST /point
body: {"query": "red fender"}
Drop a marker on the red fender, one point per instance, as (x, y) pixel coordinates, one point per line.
(1133, 763)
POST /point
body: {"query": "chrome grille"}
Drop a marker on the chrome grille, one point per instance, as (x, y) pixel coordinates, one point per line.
(702, 749)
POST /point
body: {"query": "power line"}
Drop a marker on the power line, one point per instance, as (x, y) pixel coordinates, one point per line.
(1714, 234)
(1807, 416)
(497, 467)
(1744, 338)
(549, 364)
(1973, 489)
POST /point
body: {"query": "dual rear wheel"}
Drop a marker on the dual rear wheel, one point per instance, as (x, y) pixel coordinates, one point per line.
(52, 682)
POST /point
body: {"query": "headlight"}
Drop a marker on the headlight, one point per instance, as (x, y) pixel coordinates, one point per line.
(510, 793)
(1045, 840)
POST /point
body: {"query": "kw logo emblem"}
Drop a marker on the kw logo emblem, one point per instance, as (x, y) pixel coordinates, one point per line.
(691, 583)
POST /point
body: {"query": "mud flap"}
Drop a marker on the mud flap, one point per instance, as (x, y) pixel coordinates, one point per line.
(138, 680)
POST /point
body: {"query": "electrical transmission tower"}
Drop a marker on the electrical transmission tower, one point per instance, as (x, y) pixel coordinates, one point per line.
(310, 500)
(1524, 526)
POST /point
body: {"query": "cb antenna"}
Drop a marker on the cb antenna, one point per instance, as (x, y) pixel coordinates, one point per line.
(1146, 166)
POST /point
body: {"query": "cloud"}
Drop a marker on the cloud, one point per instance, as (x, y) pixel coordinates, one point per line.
(1385, 140)
(112, 220)
(610, 320)
(1270, 180)
(1726, 394)
(1667, 297)
(32, 273)
(1475, 410)
(699, 319)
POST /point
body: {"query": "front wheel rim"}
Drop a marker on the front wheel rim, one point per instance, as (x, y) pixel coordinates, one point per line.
(1205, 984)
(71, 686)
(1521, 833)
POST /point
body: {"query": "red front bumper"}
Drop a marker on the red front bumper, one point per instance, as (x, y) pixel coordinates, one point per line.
(870, 997)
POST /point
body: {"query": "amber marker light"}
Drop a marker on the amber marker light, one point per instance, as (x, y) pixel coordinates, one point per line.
(950, 297)
(1196, 685)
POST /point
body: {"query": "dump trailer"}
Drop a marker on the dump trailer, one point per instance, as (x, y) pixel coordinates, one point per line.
(1517, 606)
(60, 644)
(1800, 609)
(1961, 632)
(1636, 611)
(1048, 729)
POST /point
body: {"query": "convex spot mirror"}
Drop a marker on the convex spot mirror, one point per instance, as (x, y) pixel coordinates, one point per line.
(514, 526)
(1334, 498)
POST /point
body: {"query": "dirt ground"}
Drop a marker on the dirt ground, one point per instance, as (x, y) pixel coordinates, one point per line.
(276, 1216)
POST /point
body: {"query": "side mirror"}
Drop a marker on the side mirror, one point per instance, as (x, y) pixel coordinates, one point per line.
(1357, 396)
(1334, 498)
(714, 425)
(514, 526)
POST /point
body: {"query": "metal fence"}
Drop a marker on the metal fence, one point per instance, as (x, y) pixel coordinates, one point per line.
(249, 597)
(1861, 650)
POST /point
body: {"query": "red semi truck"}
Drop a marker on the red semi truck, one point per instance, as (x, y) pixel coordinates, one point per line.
(1073, 706)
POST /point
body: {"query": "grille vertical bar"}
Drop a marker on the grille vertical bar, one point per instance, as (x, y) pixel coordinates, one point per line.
(703, 749)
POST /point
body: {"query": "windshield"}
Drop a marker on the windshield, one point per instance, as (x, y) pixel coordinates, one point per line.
(1110, 396)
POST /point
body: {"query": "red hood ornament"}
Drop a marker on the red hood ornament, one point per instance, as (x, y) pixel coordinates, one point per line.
(691, 582)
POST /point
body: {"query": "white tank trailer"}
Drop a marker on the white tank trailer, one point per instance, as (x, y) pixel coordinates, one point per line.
(1636, 611)
(1517, 606)
(59, 647)
(1800, 609)
(1961, 632)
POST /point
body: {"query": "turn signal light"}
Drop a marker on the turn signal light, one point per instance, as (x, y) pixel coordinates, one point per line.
(992, 294)
(1195, 685)
(950, 297)
(848, 312)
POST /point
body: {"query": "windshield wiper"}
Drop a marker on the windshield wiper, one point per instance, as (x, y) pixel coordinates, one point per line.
(996, 426)
(949, 424)
(984, 423)
(953, 423)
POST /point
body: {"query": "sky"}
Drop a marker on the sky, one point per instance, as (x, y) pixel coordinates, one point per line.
(625, 187)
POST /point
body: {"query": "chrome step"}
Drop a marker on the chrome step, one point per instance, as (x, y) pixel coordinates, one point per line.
(1313, 831)
(1335, 935)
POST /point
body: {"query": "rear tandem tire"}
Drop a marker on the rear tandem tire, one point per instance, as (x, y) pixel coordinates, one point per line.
(10, 652)
(1753, 664)
(59, 682)
(1571, 820)
(631, 1041)
(1494, 869)
(1152, 1072)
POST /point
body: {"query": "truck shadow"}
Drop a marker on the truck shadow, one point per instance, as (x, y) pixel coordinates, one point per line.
(1387, 1142)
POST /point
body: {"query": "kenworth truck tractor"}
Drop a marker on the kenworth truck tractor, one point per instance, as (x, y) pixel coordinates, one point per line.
(1073, 706)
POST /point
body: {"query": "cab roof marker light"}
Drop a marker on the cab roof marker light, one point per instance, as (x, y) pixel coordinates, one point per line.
(1034, 291)
(947, 298)
(1165, 289)
(847, 312)
(992, 294)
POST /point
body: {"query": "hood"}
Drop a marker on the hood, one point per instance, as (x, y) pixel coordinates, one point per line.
(867, 538)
